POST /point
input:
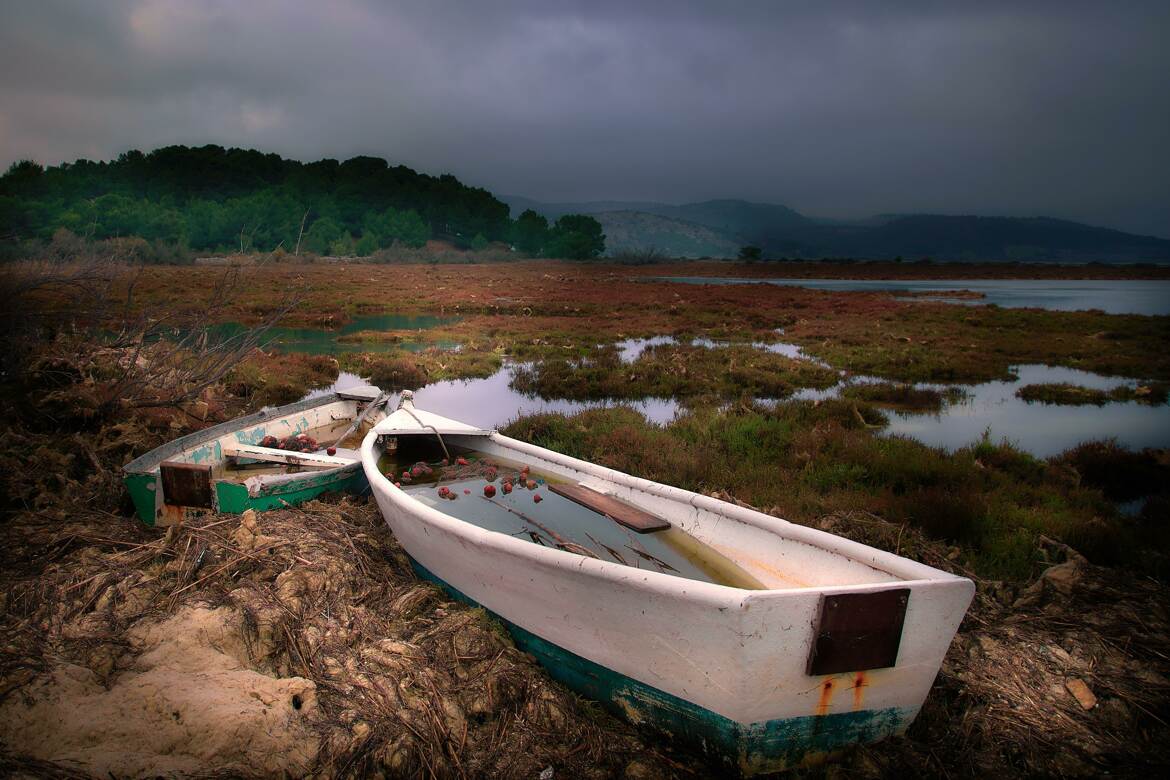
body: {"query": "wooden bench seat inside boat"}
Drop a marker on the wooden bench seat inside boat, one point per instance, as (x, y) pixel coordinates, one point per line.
(317, 460)
(615, 509)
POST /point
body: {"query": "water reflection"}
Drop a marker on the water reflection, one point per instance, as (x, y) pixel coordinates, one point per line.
(630, 350)
(491, 402)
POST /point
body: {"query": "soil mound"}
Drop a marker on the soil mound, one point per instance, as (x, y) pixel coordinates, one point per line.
(187, 701)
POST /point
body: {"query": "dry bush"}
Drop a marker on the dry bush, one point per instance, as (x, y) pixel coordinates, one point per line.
(76, 340)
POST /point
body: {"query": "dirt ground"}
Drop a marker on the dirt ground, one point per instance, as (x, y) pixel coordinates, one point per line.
(298, 642)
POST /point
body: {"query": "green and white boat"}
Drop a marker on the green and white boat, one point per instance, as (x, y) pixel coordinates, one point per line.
(229, 468)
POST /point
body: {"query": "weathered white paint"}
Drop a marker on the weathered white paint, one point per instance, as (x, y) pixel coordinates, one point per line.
(740, 653)
(272, 455)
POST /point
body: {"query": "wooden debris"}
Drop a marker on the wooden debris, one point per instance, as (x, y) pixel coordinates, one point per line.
(1080, 691)
(619, 511)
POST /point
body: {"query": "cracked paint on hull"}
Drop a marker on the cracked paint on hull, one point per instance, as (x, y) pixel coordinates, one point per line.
(753, 748)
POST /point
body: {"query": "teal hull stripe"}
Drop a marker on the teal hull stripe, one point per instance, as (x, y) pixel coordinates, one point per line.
(765, 746)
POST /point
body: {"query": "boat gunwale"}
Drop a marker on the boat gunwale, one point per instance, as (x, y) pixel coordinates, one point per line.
(147, 462)
(714, 594)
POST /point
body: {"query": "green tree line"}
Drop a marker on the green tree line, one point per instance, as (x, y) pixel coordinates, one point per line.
(214, 199)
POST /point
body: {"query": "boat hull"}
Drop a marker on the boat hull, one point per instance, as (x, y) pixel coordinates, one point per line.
(723, 668)
(235, 498)
(767, 746)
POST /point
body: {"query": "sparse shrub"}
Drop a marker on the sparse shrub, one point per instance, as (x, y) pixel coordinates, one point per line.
(397, 373)
(1120, 474)
(644, 256)
(945, 512)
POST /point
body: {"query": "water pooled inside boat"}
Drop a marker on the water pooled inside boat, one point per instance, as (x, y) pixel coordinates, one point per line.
(511, 498)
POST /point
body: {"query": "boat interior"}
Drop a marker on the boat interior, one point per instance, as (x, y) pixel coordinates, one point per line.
(579, 510)
(288, 440)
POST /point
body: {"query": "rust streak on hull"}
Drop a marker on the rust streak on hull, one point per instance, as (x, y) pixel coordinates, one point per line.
(826, 697)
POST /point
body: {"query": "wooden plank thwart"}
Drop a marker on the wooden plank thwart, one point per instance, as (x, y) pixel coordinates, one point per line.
(615, 509)
(272, 455)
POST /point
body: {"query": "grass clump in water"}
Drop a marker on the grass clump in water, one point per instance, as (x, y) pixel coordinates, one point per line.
(672, 371)
(403, 370)
(1066, 394)
(905, 397)
(271, 379)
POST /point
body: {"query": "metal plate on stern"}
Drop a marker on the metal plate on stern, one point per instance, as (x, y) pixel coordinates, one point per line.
(186, 484)
(858, 631)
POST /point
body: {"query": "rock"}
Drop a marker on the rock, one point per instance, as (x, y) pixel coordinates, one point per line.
(1080, 691)
(1063, 576)
(198, 409)
(639, 770)
(245, 534)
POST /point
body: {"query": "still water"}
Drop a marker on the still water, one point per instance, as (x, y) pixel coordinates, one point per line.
(554, 520)
(1113, 296)
(990, 407)
(1041, 429)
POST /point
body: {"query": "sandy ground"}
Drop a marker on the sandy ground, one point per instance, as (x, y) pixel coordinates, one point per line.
(188, 700)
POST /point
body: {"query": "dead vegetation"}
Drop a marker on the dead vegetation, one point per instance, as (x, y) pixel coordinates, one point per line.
(77, 341)
(299, 641)
(314, 613)
(136, 652)
(317, 651)
(1066, 676)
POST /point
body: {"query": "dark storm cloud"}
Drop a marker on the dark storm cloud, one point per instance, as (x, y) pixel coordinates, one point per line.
(842, 110)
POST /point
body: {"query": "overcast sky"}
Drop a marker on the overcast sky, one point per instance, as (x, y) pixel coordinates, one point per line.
(835, 109)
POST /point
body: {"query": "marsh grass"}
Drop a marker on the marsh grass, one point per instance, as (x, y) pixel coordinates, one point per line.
(905, 397)
(541, 306)
(270, 379)
(404, 370)
(672, 371)
(801, 461)
(1065, 394)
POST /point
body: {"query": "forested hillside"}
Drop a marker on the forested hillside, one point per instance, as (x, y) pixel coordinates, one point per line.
(215, 199)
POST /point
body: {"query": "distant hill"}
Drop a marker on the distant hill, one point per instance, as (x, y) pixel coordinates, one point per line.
(639, 231)
(737, 218)
(980, 238)
(717, 228)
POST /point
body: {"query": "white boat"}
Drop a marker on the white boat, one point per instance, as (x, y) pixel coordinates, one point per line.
(798, 643)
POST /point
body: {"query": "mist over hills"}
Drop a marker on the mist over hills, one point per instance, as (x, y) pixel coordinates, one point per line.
(717, 228)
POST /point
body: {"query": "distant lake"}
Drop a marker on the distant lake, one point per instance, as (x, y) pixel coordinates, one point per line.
(1114, 296)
